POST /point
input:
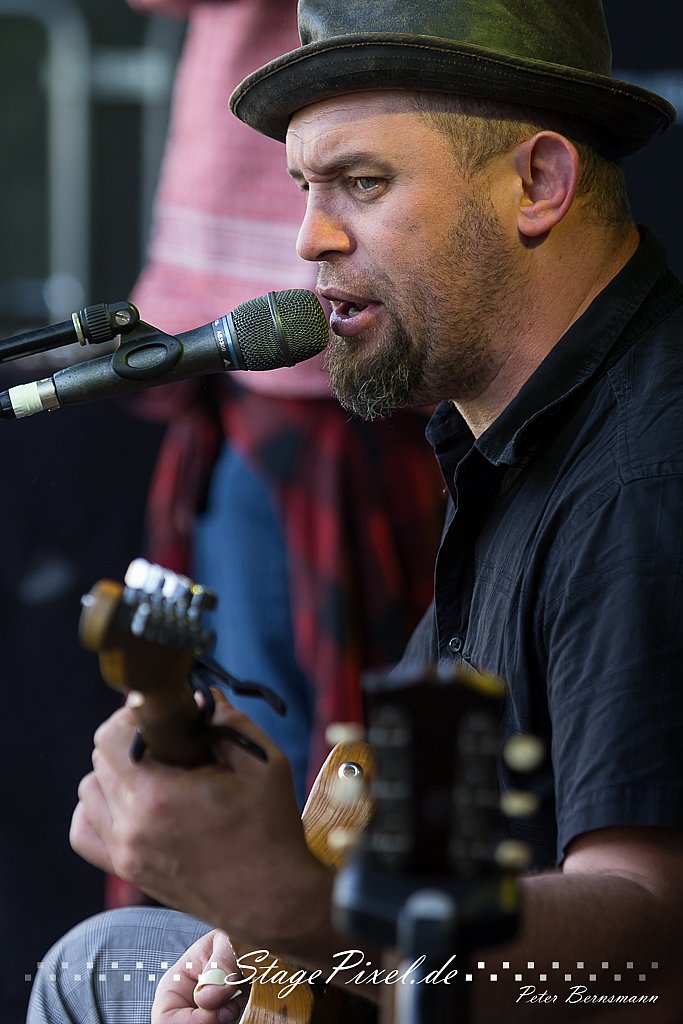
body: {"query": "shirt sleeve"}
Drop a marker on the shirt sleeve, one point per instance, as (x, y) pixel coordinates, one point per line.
(613, 630)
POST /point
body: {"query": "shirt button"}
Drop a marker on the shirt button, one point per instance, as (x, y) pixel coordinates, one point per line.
(455, 645)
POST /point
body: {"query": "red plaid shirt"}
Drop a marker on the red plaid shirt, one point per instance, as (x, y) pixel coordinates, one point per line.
(361, 506)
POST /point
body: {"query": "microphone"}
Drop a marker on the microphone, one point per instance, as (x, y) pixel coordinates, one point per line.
(277, 329)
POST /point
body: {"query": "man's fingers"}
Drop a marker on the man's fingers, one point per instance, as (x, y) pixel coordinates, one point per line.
(220, 983)
(113, 740)
(216, 988)
(94, 802)
(86, 841)
(193, 985)
(249, 745)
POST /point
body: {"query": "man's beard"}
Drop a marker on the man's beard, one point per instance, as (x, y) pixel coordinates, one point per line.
(449, 350)
(375, 384)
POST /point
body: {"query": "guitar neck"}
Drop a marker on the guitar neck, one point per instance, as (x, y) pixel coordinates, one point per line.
(147, 634)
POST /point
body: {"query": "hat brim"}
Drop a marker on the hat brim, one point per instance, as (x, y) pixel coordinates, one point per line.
(267, 98)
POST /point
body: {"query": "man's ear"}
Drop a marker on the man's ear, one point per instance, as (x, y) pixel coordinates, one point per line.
(548, 170)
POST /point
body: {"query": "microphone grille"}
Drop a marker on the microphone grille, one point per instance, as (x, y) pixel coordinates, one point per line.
(279, 329)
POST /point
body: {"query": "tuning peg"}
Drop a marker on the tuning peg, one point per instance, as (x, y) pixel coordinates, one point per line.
(343, 732)
(202, 599)
(154, 582)
(136, 573)
(343, 840)
(174, 586)
(206, 598)
(141, 615)
(519, 803)
(524, 752)
(513, 855)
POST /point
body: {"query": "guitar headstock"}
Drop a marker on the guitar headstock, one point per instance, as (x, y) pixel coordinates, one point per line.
(437, 821)
(146, 632)
(154, 607)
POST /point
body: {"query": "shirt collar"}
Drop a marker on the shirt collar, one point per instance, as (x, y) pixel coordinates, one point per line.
(570, 363)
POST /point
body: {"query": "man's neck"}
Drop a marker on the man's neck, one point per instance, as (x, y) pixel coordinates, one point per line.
(561, 283)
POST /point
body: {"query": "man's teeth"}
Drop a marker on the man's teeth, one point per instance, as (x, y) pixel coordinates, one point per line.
(355, 309)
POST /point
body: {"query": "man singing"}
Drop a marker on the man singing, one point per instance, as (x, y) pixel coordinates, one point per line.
(467, 211)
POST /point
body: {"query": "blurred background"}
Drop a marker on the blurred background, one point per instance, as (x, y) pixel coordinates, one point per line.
(85, 87)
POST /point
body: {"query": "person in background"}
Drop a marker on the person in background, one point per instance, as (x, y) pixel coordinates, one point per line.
(316, 531)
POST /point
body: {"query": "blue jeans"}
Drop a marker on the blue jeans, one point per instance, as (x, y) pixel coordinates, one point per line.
(240, 553)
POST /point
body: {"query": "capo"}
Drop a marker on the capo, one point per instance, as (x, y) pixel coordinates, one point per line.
(207, 708)
(204, 665)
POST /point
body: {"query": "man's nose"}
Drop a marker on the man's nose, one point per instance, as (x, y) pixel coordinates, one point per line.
(322, 234)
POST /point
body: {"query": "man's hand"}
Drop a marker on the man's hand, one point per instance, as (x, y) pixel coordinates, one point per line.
(184, 996)
(223, 842)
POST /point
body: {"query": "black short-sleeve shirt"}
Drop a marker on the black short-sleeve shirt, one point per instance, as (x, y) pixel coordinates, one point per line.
(561, 565)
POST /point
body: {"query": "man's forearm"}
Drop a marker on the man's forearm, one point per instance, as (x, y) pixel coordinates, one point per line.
(589, 948)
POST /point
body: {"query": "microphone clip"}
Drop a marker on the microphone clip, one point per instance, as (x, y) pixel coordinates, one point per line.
(149, 354)
(92, 325)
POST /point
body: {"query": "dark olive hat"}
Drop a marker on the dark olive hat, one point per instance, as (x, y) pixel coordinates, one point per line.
(552, 54)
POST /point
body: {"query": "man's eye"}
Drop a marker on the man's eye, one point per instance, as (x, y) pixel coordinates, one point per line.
(364, 184)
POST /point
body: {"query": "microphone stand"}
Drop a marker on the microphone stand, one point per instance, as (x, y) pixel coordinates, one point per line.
(91, 325)
(142, 357)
